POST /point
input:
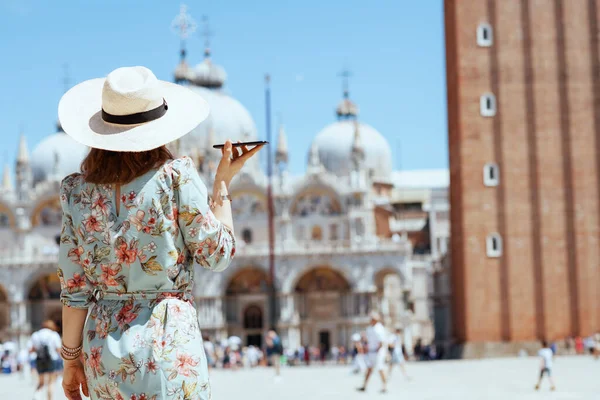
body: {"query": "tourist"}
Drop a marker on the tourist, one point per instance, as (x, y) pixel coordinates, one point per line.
(418, 350)
(253, 356)
(546, 358)
(397, 354)
(579, 349)
(209, 350)
(358, 354)
(274, 351)
(307, 355)
(134, 222)
(376, 351)
(46, 344)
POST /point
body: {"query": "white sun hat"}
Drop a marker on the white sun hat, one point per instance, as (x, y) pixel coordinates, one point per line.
(130, 111)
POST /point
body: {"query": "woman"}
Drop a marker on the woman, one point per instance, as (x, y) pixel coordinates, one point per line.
(134, 221)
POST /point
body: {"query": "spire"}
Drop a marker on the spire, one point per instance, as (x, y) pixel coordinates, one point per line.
(7, 185)
(358, 151)
(207, 33)
(23, 155)
(281, 153)
(346, 109)
(208, 74)
(24, 177)
(183, 25)
(357, 146)
(314, 162)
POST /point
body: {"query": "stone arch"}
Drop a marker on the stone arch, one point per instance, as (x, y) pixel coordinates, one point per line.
(248, 200)
(322, 278)
(7, 213)
(316, 191)
(247, 280)
(43, 296)
(290, 281)
(47, 211)
(380, 276)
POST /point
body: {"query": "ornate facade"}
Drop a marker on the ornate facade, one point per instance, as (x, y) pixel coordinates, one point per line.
(352, 235)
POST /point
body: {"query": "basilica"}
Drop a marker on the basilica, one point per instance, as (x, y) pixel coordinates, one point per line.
(351, 234)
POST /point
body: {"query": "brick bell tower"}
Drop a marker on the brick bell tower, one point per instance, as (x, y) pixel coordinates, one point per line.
(524, 135)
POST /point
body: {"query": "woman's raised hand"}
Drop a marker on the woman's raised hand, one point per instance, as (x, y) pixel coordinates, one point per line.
(232, 161)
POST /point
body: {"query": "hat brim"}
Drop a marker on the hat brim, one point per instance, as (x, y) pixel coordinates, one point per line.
(80, 114)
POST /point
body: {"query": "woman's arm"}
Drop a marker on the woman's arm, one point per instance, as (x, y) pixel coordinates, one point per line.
(222, 209)
(73, 321)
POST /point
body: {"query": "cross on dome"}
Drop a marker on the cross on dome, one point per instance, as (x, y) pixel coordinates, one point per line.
(346, 109)
(206, 33)
(183, 24)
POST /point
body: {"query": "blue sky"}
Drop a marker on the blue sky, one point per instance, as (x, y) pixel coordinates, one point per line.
(394, 48)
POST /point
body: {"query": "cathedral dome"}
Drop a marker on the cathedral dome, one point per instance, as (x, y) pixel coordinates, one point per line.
(57, 155)
(228, 119)
(335, 142)
(208, 74)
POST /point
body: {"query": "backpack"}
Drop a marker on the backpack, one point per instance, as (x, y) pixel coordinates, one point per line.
(44, 360)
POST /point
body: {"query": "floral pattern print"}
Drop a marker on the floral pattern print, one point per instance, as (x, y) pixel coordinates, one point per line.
(135, 271)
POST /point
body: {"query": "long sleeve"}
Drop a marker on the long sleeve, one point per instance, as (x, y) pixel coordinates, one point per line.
(211, 243)
(76, 288)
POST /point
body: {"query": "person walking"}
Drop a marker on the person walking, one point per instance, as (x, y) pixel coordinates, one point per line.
(274, 351)
(546, 360)
(46, 344)
(376, 351)
(134, 222)
(397, 355)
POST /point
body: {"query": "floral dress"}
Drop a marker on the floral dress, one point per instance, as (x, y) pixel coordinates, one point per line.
(135, 270)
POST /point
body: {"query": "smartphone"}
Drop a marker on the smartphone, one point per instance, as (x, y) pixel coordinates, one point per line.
(257, 143)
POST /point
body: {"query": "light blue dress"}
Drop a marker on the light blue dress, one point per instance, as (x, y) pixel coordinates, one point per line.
(135, 270)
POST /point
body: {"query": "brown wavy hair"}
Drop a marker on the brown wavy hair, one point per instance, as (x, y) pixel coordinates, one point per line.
(105, 166)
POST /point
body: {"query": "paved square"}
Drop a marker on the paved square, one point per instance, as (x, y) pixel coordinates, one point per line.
(577, 378)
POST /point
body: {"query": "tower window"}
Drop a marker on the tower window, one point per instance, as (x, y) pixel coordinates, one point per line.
(247, 236)
(487, 105)
(485, 35)
(493, 245)
(491, 174)
(333, 232)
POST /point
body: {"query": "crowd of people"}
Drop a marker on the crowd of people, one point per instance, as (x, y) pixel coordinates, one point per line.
(375, 350)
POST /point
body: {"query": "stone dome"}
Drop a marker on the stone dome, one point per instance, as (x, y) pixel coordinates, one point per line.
(228, 119)
(334, 146)
(208, 74)
(57, 155)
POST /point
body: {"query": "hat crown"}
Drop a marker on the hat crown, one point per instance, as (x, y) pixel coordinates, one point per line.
(130, 90)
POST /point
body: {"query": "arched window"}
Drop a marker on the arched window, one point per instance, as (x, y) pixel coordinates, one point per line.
(491, 174)
(485, 35)
(247, 235)
(333, 232)
(253, 318)
(487, 105)
(316, 233)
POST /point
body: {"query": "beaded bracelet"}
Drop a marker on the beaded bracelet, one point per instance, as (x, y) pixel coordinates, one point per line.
(70, 353)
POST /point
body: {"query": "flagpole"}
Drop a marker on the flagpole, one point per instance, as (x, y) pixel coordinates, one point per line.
(270, 210)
